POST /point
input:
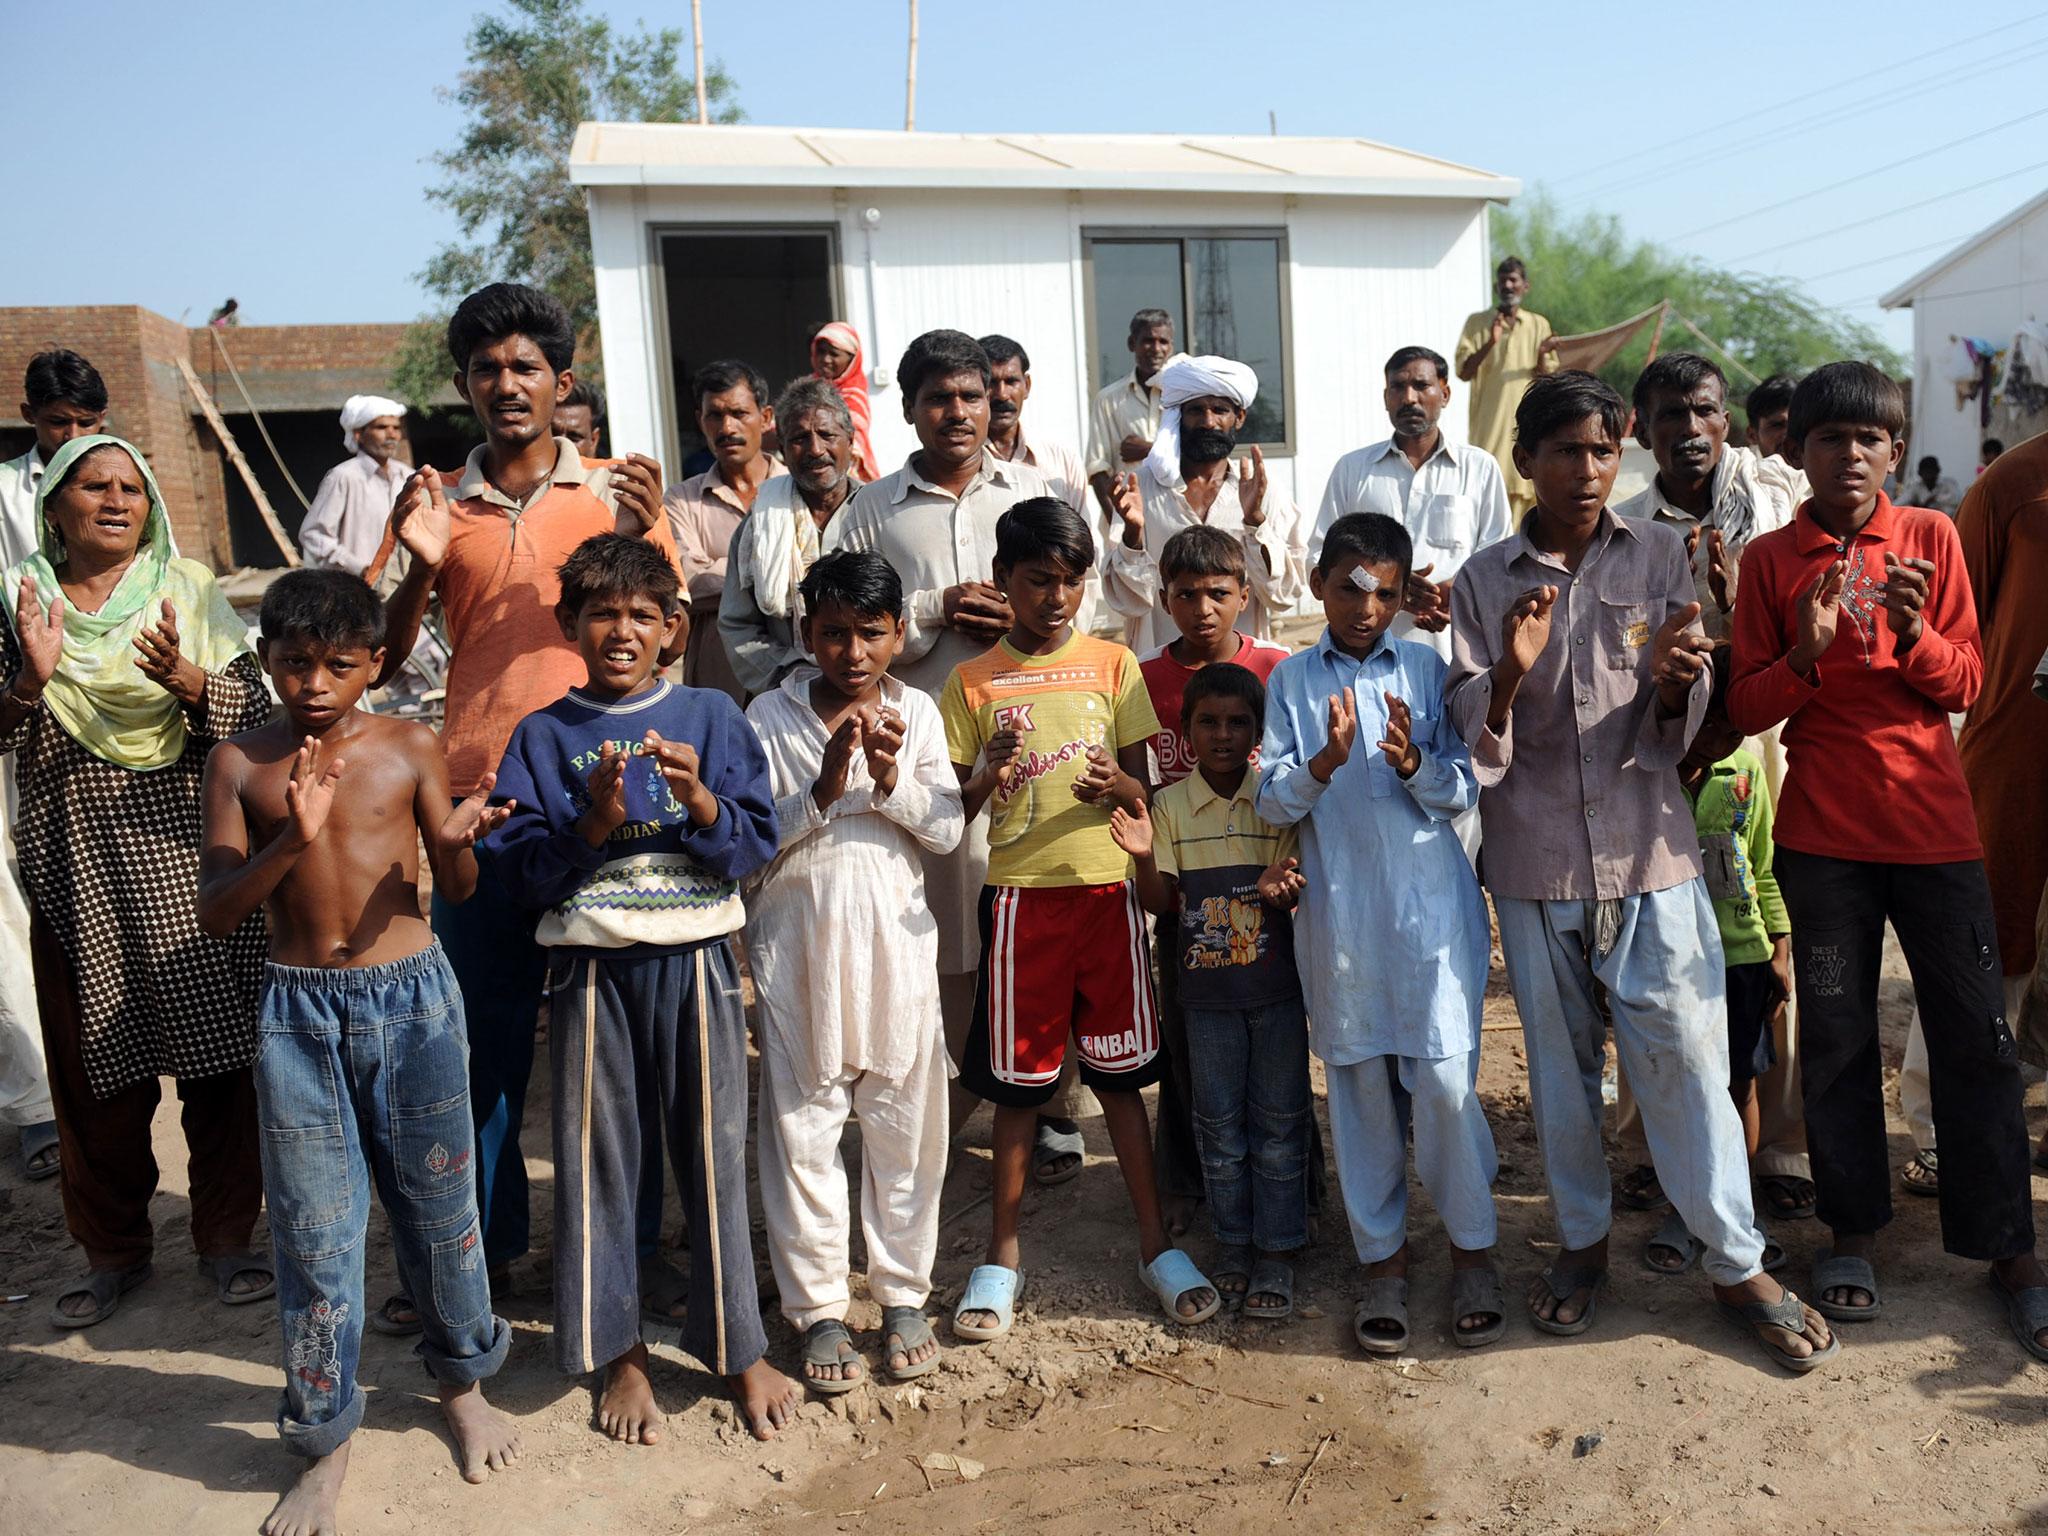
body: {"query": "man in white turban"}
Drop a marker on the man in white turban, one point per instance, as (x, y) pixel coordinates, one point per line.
(346, 522)
(1190, 478)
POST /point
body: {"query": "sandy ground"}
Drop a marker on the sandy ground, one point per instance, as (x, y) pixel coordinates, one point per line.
(1094, 1414)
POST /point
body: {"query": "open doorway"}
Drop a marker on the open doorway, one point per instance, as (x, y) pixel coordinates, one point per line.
(749, 292)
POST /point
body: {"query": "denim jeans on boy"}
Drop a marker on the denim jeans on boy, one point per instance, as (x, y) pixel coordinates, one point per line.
(362, 1073)
(1249, 1076)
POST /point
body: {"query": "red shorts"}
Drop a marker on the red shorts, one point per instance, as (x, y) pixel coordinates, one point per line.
(1057, 962)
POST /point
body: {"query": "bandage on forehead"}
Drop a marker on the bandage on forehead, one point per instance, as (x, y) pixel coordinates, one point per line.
(1361, 578)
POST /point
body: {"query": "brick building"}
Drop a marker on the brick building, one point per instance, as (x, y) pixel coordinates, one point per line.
(296, 376)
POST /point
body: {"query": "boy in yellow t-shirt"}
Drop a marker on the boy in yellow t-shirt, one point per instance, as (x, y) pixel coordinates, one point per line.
(1049, 730)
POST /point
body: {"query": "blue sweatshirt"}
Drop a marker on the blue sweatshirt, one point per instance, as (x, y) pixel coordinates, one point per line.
(659, 880)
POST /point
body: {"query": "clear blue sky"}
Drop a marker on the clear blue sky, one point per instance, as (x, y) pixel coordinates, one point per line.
(172, 155)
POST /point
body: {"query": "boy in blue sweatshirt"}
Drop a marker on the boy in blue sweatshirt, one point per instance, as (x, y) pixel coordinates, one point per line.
(637, 808)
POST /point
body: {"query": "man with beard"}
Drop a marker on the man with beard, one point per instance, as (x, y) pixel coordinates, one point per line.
(790, 526)
(1125, 417)
(705, 511)
(934, 520)
(1501, 352)
(1449, 496)
(1188, 478)
(1719, 497)
(345, 524)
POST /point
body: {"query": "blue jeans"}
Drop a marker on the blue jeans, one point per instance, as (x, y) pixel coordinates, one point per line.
(361, 1073)
(1249, 1071)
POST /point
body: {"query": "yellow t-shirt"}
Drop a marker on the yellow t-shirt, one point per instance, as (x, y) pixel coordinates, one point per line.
(1087, 693)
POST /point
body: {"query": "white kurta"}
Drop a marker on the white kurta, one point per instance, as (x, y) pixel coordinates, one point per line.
(1275, 558)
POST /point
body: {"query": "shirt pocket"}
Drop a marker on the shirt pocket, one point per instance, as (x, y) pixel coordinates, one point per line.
(1723, 867)
(1447, 523)
(1625, 631)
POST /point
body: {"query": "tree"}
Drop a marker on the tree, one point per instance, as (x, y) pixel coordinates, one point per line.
(534, 73)
(1585, 274)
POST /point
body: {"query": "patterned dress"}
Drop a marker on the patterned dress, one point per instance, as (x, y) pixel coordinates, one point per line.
(110, 856)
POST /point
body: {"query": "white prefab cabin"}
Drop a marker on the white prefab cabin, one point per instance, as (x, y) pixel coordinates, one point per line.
(1309, 259)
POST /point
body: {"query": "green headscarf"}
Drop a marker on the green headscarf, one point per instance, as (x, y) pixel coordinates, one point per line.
(99, 695)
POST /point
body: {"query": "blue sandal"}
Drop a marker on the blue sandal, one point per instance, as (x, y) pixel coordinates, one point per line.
(990, 1288)
(1171, 1276)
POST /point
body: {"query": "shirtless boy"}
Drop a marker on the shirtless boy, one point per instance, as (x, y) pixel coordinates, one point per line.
(318, 817)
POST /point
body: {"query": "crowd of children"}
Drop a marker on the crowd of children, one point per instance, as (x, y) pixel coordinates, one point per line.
(1287, 820)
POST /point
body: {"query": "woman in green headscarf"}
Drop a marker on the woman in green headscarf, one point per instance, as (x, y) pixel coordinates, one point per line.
(125, 664)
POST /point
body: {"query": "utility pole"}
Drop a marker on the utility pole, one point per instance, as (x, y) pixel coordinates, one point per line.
(910, 82)
(697, 44)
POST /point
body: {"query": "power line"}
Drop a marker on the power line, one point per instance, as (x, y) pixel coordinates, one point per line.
(1860, 78)
(1871, 301)
(1877, 261)
(1877, 218)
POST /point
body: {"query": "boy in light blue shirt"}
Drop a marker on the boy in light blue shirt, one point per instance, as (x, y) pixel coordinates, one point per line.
(1391, 934)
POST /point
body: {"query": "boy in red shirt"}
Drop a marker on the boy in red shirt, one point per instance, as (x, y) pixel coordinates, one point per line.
(1856, 625)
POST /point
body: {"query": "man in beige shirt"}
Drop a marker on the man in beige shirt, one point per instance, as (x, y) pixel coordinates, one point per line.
(733, 412)
(1125, 418)
(1500, 352)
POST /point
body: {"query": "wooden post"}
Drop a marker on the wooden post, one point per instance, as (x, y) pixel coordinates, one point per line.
(697, 43)
(910, 78)
(1663, 312)
(227, 440)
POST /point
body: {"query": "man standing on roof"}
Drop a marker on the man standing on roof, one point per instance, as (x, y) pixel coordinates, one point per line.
(1500, 352)
(346, 522)
(1126, 414)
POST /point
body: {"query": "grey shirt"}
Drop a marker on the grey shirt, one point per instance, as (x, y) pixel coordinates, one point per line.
(1579, 793)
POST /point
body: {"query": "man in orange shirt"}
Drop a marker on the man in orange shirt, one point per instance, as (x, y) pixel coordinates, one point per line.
(488, 541)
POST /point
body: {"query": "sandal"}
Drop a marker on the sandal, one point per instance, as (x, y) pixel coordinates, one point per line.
(398, 1318)
(1270, 1277)
(1385, 1302)
(1788, 1313)
(910, 1328)
(1173, 1275)
(1233, 1261)
(827, 1343)
(1921, 1174)
(1639, 1190)
(1477, 1292)
(664, 1290)
(2027, 1311)
(1673, 1237)
(39, 1156)
(1790, 1197)
(990, 1288)
(1841, 1271)
(1050, 1145)
(1563, 1285)
(106, 1287)
(1774, 1256)
(228, 1267)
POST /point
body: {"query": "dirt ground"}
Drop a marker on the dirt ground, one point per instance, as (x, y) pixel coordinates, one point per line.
(1094, 1414)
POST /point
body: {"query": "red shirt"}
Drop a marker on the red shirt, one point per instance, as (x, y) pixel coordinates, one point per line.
(1166, 680)
(1873, 772)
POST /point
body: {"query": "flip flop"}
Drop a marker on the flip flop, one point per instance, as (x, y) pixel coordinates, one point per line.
(1233, 1261)
(1562, 1284)
(1674, 1236)
(2027, 1311)
(1834, 1271)
(1384, 1300)
(39, 1156)
(663, 1288)
(385, 1319)
(910, 1328)
(106, 1287)
(990, 1288)
(1477, 1291)
(1790, 1197)
(1049, 1146)
(1171, 1276)
(822, 1346)
(1921, 1174)
(1788, 1313)
(227, 1266)
(1270, 1277)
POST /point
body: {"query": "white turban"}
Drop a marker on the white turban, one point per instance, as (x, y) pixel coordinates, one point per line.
(1187, 378)
(358, 411)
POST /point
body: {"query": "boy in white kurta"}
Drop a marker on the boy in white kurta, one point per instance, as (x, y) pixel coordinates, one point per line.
(844, 950)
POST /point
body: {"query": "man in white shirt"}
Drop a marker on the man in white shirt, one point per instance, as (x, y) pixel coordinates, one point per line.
(1449, 496)
(63, 397)
(346, 522)
(1125, 417)
(1769, 409)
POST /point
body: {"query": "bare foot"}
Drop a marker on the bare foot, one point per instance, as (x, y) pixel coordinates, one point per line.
(486, 1439)
(1178, 1212)
(308, 1509)
(766, 1396)
(627, 1411)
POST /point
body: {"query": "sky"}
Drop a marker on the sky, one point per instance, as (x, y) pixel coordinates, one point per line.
(280, 153)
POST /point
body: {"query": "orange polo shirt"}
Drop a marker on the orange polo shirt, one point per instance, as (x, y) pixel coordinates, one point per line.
(498, 592)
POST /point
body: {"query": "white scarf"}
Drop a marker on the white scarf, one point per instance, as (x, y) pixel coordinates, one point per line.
(785, 538)
(1187, 378)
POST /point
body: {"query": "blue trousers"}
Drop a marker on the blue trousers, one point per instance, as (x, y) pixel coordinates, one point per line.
(1248, 1071)
(1372, 1104)
(360, 1074)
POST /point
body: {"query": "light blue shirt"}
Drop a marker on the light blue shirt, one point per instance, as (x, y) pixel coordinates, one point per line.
(1391, 936)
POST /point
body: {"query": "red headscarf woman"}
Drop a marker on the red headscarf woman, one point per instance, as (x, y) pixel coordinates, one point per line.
(836, 358)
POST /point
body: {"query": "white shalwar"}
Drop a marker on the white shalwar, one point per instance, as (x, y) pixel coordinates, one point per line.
(845, 955)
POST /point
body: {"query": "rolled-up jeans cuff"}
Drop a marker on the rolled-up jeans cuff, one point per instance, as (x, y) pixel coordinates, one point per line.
(460, 1372)
(324, 1439)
